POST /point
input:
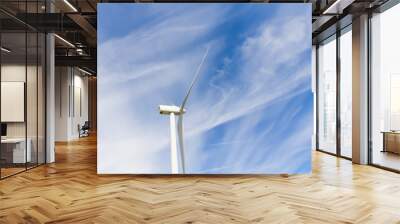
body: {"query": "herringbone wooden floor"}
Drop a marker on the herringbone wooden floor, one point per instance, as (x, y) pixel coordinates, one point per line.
(70, 191)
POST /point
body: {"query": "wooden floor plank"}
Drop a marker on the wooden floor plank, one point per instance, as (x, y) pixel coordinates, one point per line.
(70, 191)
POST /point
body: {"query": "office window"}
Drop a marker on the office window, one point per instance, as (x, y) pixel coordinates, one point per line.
(327, 95)
(346, 92)
(385, 87)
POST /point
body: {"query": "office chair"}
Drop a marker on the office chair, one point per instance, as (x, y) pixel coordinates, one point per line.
(84, 130)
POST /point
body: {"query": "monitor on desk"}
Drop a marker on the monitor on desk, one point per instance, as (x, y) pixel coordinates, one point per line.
(3, 130)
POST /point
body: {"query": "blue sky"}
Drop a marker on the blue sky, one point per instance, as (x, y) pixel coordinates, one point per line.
(251, 110)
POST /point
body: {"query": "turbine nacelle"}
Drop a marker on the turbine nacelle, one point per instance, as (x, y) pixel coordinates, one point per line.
(167, 110)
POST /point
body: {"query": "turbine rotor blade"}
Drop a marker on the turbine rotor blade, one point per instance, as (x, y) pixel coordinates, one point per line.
(180, 140)
(196, 76)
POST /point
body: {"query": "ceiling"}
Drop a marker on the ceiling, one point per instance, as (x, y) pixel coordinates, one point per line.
(75, 22)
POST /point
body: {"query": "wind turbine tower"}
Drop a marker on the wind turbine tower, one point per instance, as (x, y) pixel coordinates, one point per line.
(178, 157)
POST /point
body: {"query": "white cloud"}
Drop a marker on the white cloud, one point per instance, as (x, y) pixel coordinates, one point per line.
(153, 65)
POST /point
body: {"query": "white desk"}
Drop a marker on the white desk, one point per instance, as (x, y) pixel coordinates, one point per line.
(19, 155)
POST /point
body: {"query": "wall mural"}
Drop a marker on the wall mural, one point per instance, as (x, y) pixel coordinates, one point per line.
(204, 88)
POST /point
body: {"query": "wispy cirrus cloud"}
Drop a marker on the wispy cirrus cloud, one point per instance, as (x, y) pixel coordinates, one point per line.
(249, 111)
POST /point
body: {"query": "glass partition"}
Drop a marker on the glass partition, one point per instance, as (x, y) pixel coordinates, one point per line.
(13, 110)
(41, 96)
(22, 89)
(35, 87)
(31, 100)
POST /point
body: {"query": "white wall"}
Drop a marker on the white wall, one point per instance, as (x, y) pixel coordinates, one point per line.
(80, 84)
(70, 83)
(17, 73)
(33, 126)
(62, 81)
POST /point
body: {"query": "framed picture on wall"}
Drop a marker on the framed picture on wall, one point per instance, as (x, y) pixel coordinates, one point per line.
(204, 88)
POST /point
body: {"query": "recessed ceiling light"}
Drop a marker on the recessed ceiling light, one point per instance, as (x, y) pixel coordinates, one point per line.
(337, 7)
(64, 40)
(84, 71)
(5, 50)
(70, 5)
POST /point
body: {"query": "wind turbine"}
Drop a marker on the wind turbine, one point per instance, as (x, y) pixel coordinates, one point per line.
(178, 158)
